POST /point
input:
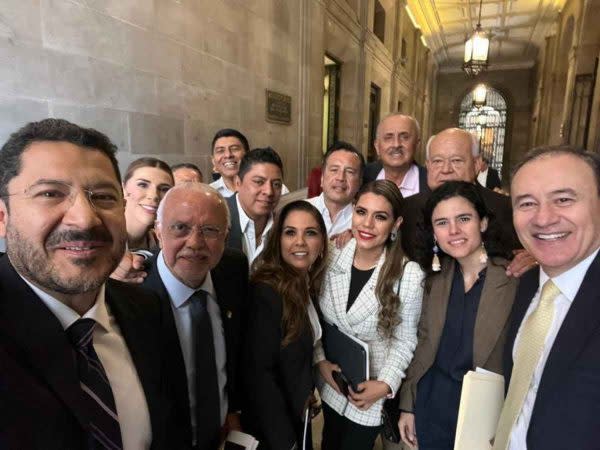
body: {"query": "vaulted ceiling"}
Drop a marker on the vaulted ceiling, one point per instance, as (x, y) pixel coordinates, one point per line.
(517, 28)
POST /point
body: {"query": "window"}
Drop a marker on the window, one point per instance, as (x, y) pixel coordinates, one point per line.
(379, 22)
(488, 123)
(331, 95)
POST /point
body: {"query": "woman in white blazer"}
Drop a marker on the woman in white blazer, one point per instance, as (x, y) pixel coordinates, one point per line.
(372, 292)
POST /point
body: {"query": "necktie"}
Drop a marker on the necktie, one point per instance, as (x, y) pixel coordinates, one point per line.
(104, 423)
(531, 344)
(208, 409)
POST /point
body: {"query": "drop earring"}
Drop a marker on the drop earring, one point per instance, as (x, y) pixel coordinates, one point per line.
(435, 262)
(483, 256)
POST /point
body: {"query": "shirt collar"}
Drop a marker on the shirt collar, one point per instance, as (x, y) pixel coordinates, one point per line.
(245, 220)
(570, 281)
(410, 180)
(179, 293)
(67, 316)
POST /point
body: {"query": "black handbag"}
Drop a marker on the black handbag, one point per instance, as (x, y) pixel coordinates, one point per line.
(390, 414)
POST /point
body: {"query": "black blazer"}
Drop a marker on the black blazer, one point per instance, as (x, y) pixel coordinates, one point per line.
(235, 237)
(566, 412)
(498, 204)
(277, 380)
(372, 170)
(493, 179)
(230, 279)
(41, 403)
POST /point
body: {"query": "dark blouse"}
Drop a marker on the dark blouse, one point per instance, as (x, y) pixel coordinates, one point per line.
(438, 392)
(358, 279)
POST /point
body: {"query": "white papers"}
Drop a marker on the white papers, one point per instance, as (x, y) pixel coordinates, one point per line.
(236, 440)
(481, 403)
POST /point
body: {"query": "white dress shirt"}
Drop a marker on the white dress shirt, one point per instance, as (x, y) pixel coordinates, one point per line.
(482, 177)
(340, 223)
(180, 294)
(130, 400)
(568, 283)
(251, 250)
(220, 186)
(410, 183)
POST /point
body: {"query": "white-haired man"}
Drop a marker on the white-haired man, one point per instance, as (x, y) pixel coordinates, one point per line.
(202, 287)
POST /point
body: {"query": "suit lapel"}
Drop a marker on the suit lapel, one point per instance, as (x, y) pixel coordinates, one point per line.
(437, 305)
(494, 309)
(26, 320)
(234, 238)
(581, 321)
(340, 282)
(174, 356)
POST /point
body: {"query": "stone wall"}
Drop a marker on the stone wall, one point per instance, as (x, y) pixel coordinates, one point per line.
(159, 77)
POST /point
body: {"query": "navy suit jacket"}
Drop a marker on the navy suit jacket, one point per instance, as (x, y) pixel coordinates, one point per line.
(566, 412)
(230, 280)
(42, 405)
(372, 170)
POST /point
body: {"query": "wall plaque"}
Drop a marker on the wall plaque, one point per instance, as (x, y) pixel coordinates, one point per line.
(279, 108)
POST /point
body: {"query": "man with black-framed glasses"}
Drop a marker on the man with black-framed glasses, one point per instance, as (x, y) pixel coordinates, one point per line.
(82, 356)
(202, 286)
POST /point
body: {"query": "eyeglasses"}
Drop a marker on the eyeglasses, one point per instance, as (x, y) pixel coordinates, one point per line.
(52, 194)
(181, 230)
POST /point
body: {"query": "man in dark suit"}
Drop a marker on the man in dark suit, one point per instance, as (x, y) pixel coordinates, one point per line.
(259, 183)
(453, 155)
(396, 142)
(488, 176)
(61, 213)
(551, 357)
(194, 275)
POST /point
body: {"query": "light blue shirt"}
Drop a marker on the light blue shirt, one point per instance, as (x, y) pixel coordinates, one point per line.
(179, 295)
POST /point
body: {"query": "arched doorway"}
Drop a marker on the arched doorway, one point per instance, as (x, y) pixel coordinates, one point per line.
(488, 123)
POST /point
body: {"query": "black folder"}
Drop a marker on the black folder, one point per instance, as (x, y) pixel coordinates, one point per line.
(348, 352)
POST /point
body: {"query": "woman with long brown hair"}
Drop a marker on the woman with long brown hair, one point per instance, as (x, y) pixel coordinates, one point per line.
(372, 292)
(145, 183)
(283, 327)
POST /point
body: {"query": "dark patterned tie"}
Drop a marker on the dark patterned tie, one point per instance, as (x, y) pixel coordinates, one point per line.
(208, 409)
(104, 423)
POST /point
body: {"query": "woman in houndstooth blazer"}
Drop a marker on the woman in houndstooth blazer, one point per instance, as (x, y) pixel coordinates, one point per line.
(373, 293)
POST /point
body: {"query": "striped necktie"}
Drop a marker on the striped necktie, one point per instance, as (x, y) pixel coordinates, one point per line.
(105, 432)
(527, 356)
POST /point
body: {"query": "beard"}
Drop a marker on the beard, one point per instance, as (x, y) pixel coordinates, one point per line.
(34, 263)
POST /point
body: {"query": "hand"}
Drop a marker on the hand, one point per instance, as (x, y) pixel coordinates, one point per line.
(342, 238)
(408, 433)
(369, 392)
(130, 269)
(232, 423)
(326, 368)
(521, 263)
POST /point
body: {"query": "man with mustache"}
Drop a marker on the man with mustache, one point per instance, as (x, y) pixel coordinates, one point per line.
(398, 136)
(259, 184)
(202, 286)
(81, 355)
